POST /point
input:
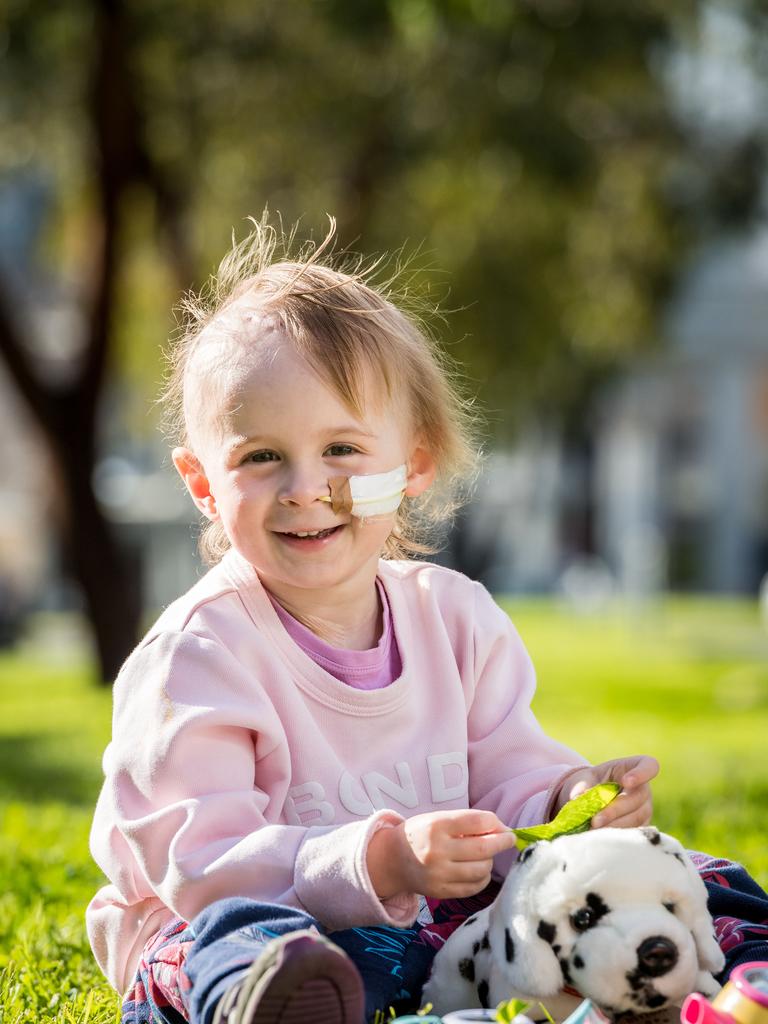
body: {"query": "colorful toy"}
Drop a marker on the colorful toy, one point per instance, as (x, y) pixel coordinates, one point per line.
(743, 1000)
(473, 1016)
(587, 1013)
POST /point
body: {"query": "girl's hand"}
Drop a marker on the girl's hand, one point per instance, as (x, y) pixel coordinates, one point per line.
(633, 806)
(441, 854)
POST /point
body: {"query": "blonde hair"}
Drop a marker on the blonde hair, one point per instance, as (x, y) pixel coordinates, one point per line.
(344, 324)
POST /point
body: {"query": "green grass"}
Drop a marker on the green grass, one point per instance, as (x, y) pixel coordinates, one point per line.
(54, 724)
(687, 682)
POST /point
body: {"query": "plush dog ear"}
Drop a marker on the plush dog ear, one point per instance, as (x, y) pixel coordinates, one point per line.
(516, 925)
(707, 985)
(710, 955)
(699, 921)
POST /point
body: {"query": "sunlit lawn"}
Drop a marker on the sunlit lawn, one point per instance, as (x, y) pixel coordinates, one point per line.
(687, 682)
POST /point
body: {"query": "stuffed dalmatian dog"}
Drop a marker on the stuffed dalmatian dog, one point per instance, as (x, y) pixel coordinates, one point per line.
(618, 916)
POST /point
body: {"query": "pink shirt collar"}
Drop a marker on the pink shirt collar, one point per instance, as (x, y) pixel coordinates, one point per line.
(372, 669)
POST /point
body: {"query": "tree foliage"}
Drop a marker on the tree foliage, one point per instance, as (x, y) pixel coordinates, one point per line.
(529, 149)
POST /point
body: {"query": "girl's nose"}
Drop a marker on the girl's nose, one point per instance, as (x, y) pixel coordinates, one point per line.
(302, 487)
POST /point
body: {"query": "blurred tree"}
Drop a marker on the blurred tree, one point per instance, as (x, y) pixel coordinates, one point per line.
(530, 147)
(66, 407)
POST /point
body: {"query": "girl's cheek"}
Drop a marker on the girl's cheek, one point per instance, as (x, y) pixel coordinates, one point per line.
(248, 486)
(241, 499)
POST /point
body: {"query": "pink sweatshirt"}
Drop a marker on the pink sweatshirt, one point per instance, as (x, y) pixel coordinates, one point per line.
(240, 767)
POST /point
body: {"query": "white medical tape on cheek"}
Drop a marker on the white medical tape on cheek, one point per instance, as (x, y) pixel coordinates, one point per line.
(379, 493)
(374, 495)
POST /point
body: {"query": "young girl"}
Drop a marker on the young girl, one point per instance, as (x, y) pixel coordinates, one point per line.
(315, 741)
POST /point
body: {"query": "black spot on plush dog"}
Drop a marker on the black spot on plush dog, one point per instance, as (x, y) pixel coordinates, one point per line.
(467, 968)
(565, 968)
(597, 905)
(626, 924)
(547, 931)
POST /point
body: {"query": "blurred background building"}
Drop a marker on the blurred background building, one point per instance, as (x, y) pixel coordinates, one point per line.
(674, 482)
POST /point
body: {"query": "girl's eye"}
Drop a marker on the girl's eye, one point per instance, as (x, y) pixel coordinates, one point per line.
(341, 449)
(261, 456)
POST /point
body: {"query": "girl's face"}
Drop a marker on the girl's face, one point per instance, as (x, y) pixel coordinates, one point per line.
(265, 453)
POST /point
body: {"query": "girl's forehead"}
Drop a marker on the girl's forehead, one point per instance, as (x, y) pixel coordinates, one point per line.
(247, 381)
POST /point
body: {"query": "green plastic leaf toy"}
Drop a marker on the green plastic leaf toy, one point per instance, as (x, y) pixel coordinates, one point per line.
(575, 816)
(507, 1011)
(514, 1009)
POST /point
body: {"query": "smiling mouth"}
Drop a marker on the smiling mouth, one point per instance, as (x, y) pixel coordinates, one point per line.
(311, 535)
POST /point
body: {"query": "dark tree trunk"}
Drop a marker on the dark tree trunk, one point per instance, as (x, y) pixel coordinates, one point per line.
(67, 416)
(109, 581)
(109, 578)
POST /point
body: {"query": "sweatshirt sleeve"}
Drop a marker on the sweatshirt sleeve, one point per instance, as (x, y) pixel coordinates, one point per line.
(195, 780)
(515, 769)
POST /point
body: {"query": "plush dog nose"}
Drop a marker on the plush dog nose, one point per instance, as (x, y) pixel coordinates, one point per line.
(656, 956)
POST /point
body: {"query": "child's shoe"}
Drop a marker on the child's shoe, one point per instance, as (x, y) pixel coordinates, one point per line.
(300, 978)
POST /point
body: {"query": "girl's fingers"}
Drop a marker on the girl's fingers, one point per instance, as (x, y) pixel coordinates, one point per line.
(578, 788)
(462, 879)
(472, 823)
(639, 771)
(626, 811)
(437, 831)
(469, 871)
(476, 848)
(634, 805)
(625, 803)
(455, 887)
(639, 816)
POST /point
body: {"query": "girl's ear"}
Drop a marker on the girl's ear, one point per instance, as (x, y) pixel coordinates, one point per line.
(421, 470)
(191, 471)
